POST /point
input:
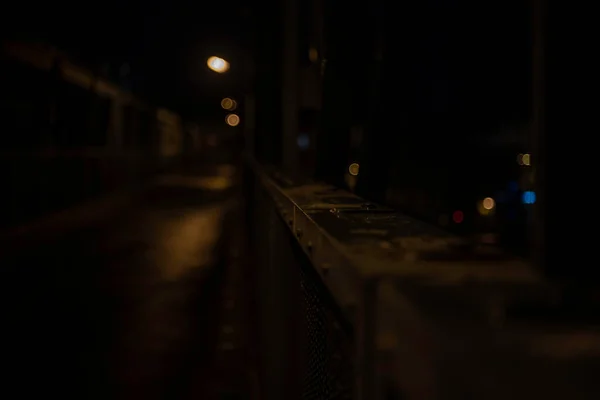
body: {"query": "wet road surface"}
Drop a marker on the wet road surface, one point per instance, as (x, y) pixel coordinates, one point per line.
(126, 308)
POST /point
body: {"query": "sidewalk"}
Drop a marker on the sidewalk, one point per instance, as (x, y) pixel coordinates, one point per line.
(129, 305)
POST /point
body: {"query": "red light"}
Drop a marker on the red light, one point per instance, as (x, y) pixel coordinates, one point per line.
(458, 217)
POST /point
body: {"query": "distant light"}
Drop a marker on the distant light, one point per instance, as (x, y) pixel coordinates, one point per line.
(303, 141)
(353, 169)
(488, 203)
(486, 206)
(217, 64)
(232, 119)
(458, 217)
(313, 54)
(528, 197)
(226, 103)
(524, 159)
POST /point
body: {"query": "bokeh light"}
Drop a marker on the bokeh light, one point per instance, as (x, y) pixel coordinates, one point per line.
(524, 159)
(353, 169)
(217, 64)
(529, 197)
(227, 103)
(232, 120)
(488, 203)
(486, 206)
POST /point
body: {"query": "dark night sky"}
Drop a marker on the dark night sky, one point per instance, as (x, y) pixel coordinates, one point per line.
(462, 56)
(165, 44)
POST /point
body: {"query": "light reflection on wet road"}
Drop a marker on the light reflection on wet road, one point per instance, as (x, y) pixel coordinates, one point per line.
(123, 309)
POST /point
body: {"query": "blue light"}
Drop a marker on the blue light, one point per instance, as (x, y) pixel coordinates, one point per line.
(303, 141)
(528, 197)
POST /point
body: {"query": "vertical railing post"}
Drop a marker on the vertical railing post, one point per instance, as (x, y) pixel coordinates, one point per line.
(279, 291)
(365, 341)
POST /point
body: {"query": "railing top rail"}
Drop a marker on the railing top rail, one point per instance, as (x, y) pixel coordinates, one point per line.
(377, 241)
(434, 317)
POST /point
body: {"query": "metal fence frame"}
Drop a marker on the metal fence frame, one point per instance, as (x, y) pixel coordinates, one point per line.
(429, 315)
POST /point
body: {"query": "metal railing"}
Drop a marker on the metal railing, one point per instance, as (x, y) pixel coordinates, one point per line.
(361, 302)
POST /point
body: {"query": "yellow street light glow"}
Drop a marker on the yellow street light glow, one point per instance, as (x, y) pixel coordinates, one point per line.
(353, 169)
(488, 203)
(232, 120)
(524, 159)
(217, 64)
(486, 206)
(227, 103)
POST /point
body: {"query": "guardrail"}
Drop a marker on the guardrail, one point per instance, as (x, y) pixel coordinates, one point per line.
(359, 301)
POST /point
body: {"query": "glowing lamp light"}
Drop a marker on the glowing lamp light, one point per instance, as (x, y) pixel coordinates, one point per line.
(488, 203)
(528, 197)
(486, 206)
(353, 169)
(226, 103)
(524, 159)
(217, 64)
(232, 120)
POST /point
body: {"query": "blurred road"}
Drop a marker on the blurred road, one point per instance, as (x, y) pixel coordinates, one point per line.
(125, 308)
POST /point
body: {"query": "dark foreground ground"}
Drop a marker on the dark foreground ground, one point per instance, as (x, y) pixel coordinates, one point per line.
(148, 301)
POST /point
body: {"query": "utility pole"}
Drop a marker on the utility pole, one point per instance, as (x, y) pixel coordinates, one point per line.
(373, 179)
(539, 135)
(290, 85)
(333, 142)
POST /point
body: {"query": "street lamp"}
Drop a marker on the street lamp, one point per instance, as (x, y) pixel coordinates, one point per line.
(217, 64)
